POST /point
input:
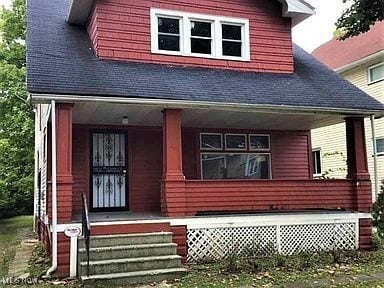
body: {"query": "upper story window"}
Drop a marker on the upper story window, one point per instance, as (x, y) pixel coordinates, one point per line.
(188, 34)
(376, 73)
(168, 34)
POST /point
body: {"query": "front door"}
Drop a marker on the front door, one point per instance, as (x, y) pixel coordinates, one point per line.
(109, 171)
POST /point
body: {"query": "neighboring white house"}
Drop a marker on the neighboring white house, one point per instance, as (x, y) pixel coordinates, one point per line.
(360, 60)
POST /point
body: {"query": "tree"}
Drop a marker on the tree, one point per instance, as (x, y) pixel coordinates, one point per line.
(360, 17)
(16, 118)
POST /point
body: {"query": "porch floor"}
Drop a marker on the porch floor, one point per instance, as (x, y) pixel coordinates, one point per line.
(111, 216)
(119, 216)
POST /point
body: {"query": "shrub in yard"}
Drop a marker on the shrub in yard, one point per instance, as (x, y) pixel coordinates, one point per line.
(305, 260)
(377, 242)
(378, 212)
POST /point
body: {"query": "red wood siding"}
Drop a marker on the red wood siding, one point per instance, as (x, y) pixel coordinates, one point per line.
(290, 156)
(289, 161)
(63, 255)
(145, 152)
(191, 154)
(232, 195)
(80, 165)
(365, 234)
(180, 238)
(145, 166)
(121, 30)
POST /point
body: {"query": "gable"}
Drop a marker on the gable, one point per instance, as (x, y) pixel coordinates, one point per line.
(122, 30)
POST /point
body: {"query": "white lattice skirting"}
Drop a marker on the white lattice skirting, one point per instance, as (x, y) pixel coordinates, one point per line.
(217, 241)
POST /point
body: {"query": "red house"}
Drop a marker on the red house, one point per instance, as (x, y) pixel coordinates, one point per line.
(185, 127)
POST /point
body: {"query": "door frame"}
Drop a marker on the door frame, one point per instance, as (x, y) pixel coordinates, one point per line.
(127, 161)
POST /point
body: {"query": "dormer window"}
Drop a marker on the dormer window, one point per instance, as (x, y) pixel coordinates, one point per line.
(197, 35)
(201, 37)
(168, 34)
(232, 44)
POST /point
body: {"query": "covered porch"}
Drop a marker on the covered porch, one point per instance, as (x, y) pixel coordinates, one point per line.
(173, 165)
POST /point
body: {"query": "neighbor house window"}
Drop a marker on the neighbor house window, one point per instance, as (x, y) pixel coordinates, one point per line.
(316, 160)
(376, 73)
(190, 34)
(380, 146)
(236, 159)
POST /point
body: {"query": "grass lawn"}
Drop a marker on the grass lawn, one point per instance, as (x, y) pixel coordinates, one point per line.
(12, 231)
(276, 271)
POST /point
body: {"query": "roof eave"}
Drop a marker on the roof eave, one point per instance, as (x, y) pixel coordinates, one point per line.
(79, 11)
(298, 10)
(359, 62)
(171, 103)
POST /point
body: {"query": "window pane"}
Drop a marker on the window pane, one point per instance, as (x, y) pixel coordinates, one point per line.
(231, 32)
(235, 166)
(168, 25)
(377, 73)
(202, 46)
(380, 145)
(211, 141)
(202, 29)
(258, 142)
(235, 142)
(231, 48)
(316, 160)
(240, 166)
(170, 43)
(213, 166)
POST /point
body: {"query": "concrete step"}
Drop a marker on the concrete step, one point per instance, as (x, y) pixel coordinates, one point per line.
(130, 264)
(128, 251)
(127, 239)
(136, 277)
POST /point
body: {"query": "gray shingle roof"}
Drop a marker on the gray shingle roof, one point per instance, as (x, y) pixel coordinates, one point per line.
(60, 61)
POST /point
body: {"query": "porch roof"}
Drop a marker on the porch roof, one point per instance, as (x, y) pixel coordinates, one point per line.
(60, 61)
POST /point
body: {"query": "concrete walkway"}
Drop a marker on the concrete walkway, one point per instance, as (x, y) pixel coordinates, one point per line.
(19, 266)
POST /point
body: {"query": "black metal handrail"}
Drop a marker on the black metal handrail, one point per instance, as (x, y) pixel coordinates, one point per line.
(86, 228)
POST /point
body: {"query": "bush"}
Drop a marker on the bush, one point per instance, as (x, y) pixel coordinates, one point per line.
(378, 212)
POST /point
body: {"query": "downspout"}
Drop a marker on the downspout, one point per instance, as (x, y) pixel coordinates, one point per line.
(54, 191)
(36, 194)
(375, 174)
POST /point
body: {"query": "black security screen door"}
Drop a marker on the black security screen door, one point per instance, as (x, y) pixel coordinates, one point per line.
(109, 170)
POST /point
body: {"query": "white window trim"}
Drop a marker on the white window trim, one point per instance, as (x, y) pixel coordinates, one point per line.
(370, 81)
(185, 34)
(259, 149)
(321, 162)
(236, 149)
(211, 149)
(236, 153)
(377, 152)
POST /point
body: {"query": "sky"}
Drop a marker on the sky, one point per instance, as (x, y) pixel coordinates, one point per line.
(312, 32)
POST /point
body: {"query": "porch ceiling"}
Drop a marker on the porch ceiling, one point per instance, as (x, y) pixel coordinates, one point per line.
(142, 115)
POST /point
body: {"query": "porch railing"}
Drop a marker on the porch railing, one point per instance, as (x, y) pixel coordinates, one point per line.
(232, 195)
(86, 228)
